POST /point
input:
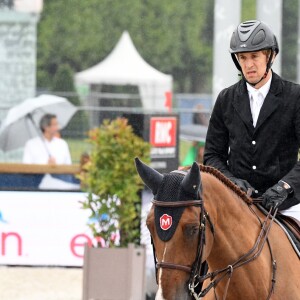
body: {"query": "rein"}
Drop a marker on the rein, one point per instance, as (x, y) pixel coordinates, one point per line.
(251, 255)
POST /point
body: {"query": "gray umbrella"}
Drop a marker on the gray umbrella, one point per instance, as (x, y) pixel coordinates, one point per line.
(22, 121)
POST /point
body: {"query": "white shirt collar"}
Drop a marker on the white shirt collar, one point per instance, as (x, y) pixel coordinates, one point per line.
(264, 90)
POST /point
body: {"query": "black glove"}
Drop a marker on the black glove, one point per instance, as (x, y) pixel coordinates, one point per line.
(244, 185)
(274, 196)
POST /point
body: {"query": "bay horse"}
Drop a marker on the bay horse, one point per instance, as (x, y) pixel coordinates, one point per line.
(202, 216)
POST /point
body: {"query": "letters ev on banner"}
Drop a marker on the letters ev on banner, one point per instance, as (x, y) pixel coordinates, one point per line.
(43, 228)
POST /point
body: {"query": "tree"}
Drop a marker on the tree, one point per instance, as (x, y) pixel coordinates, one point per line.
(113, 183)
(168, 34)
(174, 36)
(63, 81)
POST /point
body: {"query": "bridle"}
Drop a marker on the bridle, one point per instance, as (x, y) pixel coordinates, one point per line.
(195, 270)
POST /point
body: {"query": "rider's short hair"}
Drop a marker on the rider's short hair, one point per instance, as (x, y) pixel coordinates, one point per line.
(46, 121)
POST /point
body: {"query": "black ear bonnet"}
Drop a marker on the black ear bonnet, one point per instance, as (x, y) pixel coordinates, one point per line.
(167, 218)
(171, 187)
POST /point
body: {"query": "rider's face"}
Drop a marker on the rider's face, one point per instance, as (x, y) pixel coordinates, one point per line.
(253, 66)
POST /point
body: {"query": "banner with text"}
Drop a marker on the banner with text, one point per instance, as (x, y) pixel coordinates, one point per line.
(43, 228)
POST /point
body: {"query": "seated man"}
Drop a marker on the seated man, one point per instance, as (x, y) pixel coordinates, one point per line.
(47, 148)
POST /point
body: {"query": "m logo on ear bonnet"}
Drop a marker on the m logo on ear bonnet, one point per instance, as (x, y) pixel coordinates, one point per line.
(165, 222)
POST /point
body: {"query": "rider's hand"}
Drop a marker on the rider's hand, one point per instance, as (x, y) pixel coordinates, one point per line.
(244, 185)
(275, 196)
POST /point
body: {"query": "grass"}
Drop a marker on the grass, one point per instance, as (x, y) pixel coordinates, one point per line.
(78, 147)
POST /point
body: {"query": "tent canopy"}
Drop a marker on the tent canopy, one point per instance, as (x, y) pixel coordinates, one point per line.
(125, 66)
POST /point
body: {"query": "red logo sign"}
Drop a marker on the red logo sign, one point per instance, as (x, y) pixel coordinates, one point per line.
(163, 131)
(165, 222)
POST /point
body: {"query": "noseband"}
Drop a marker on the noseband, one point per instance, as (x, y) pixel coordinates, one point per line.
(195, 269)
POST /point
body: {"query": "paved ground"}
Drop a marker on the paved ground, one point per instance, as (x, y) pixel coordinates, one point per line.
(38, 283)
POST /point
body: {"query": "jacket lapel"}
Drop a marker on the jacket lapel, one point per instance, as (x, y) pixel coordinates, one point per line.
(271, 102)
(241, 104)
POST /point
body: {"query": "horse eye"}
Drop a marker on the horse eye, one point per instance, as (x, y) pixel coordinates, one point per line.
(191, 230)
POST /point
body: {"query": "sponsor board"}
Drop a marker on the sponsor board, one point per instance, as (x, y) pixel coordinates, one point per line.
(43, 228)
(163, 131)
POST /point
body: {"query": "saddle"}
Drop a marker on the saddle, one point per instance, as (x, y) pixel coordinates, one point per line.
(292, 225)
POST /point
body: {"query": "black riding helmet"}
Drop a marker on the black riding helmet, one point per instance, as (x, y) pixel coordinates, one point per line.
(251, 36)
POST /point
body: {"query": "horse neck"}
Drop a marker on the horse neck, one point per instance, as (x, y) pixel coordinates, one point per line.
(232, 220)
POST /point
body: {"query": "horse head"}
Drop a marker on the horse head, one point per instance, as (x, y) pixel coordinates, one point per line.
(174, 222)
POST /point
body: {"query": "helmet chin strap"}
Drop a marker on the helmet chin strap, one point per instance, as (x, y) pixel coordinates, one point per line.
(254, 84)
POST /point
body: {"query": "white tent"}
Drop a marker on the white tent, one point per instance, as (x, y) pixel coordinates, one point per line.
(125, 66)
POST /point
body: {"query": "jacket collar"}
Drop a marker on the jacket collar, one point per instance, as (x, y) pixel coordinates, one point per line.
(242, 104)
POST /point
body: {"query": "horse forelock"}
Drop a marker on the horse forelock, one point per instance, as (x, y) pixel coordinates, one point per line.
(171, 190)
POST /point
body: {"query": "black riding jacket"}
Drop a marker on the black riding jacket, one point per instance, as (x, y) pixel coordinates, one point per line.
(262, 155)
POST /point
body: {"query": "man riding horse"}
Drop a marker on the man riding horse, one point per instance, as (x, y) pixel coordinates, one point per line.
(254, 132)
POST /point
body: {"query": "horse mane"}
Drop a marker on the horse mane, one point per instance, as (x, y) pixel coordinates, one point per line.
(220, 176)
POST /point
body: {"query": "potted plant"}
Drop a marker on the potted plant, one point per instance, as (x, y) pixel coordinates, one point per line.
(113, 200)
